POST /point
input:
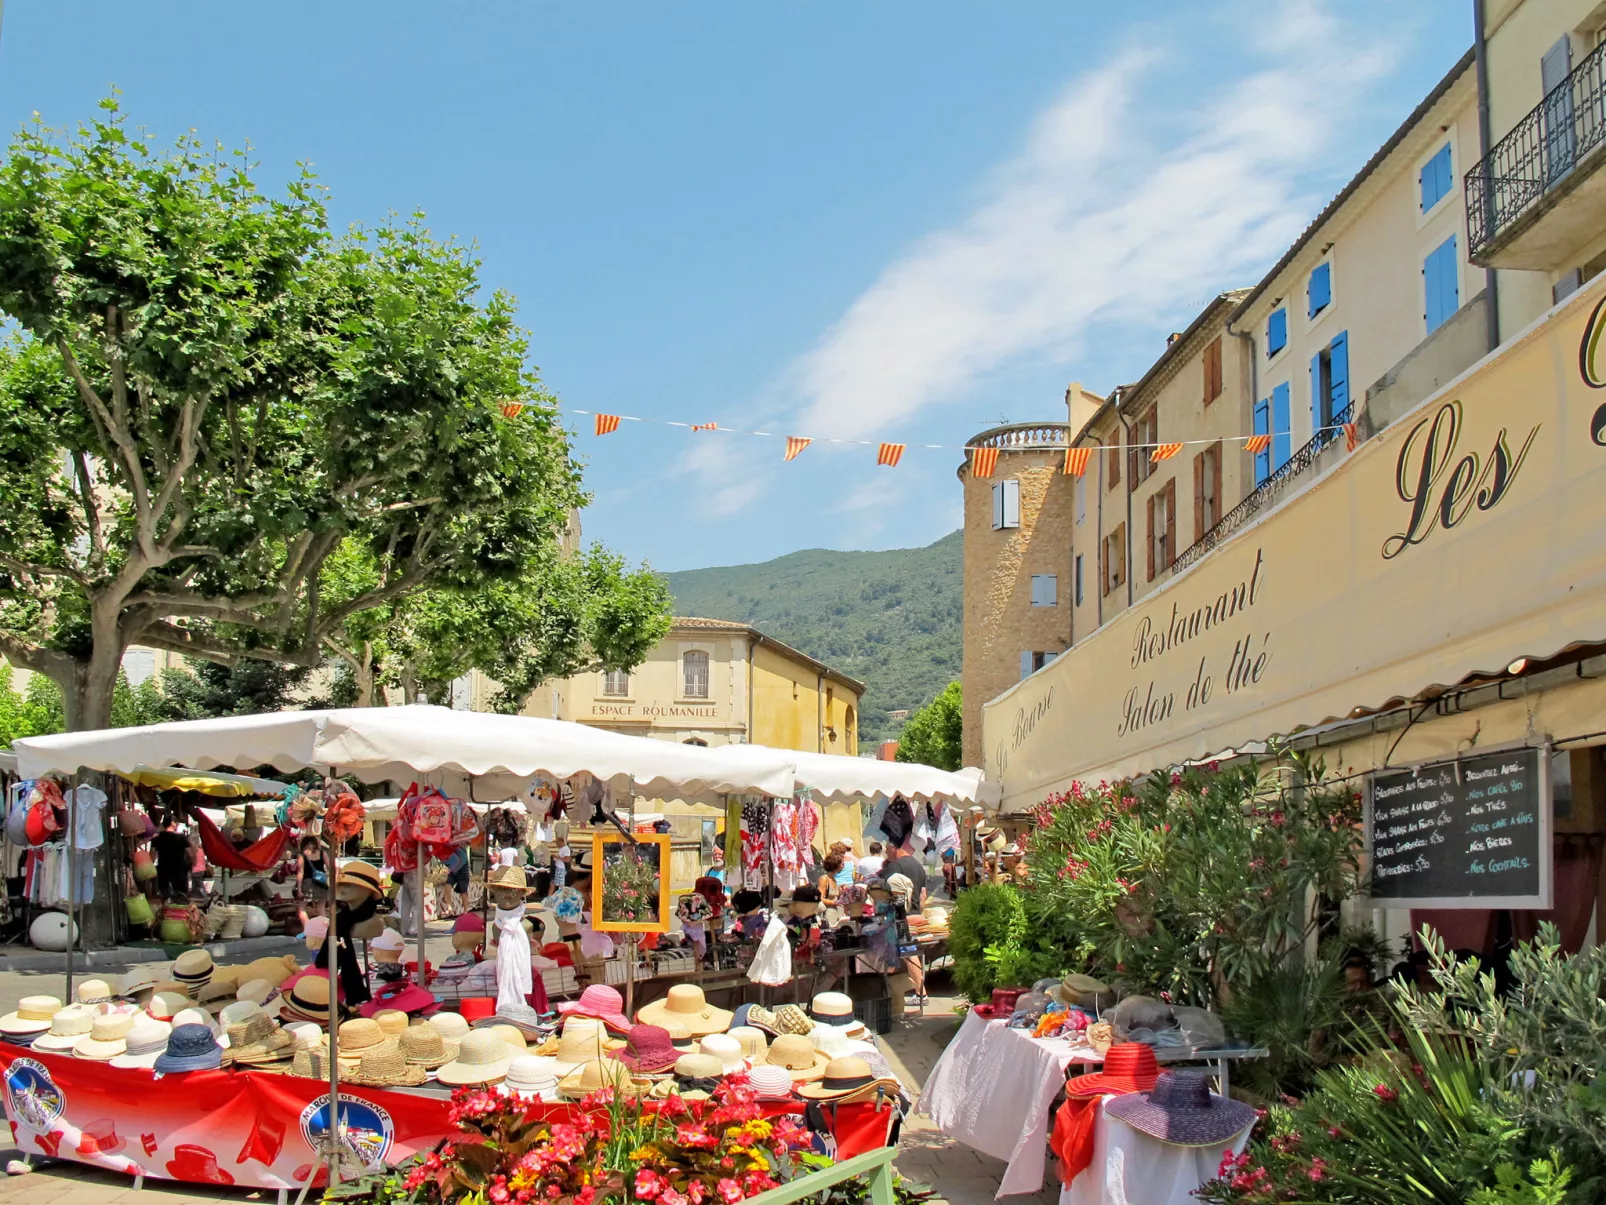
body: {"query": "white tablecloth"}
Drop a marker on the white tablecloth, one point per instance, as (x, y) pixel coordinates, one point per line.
(1140, 1170)
(992, 1090)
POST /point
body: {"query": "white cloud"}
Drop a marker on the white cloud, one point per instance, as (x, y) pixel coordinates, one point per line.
(1106, 214)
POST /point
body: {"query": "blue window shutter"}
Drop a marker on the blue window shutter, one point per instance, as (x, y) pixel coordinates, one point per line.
(1282, 446)
(1338, 375)
(1441, 288)
(1316, 416)
(1436, 179)
(1319, 291)
(1262, 427)
(1026, 663)
(1276, 332)
(998, 505)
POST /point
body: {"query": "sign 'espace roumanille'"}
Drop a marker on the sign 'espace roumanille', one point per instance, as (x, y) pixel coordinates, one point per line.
(1469, 533)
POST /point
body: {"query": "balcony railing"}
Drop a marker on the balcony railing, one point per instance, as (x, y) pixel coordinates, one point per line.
(1024, 435)
(1539, 152)
(1266, 492)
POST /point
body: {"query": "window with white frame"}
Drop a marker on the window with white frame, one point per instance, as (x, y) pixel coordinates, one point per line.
(694, 674)
(616, 684)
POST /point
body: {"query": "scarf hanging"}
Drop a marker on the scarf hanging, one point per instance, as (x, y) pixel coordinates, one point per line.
(513, 972)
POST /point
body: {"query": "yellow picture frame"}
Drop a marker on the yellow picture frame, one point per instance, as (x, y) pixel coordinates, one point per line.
(616, 892)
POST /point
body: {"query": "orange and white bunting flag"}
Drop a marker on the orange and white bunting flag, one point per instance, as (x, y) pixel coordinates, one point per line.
(1164, 452)
(1257, 443)
(1350, 438)
(890, 454)
(512, 409)
(705, 426)
(1076, 461)
(607, 424)
(983, 461)
(795, 444)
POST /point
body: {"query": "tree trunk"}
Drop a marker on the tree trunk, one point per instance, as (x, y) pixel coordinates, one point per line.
(409, 684)
(87, 689)
(363, 674)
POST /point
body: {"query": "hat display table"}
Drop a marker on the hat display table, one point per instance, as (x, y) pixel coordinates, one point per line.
(994, 1087)
(1129, 1166)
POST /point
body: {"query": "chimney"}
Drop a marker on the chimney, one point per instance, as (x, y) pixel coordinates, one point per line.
(1080, 406)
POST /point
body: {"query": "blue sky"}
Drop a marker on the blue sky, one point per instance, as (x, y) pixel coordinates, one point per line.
(895, 220)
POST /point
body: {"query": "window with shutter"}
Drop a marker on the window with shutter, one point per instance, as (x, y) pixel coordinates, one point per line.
(1104, 567)
(1319, 289)
(1212, 498)
(1436, 178)
(1011, 502)
(1045, 590)
(1441, 285)
(1119, 538)
(1282, 442)
(616, 684)
(1212, 370)
(1320, 395)
(1153, 531)
(1076, 578)
(1559, 137)
(998, 505)
(694, 675)
(1079, 491)
(1025, 663)
(1276, 332)
(1168, 536)
(1112, 462)
(1199, 470)
(1262, 427)
(1338, 376)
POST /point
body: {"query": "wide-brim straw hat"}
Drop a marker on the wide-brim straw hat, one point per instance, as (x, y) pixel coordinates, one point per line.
(726, 1049)
(531, 1077)
(357, 1035)
(139, 981)
(482, 1058)
(602, 1002)
(797, 1056)
(452, 1028)
(689, 1008)
(66, 1027)
(509, 876)
(164, 1006)
(752, 1041)
(842, 1077)
(831, 1008)
(385, 1066)
(595, 1075)
(272, 1047)
(1128, 1067)
(393, 1021)
(94, 991)
(32, 1015)
(145, 1043)
(108, 1037)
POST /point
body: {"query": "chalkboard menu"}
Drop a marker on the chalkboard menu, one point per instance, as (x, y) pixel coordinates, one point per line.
(1470, 833)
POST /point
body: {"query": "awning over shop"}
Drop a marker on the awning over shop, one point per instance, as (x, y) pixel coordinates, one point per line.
(399, 744)
(1463, 537)
(834, 778)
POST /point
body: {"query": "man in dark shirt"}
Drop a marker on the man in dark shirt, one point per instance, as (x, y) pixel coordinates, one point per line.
(172, 850)
(904, 862)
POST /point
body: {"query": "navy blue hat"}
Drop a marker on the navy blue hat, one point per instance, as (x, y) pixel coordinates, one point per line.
(190, 1048)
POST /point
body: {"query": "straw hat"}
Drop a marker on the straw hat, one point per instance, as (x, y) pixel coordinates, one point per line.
(140, 981)
(199, 1016)
(511, 1034)
(163, 1006)
(594, 1076)
(32, 1015)
(261, 1041)
(583, 1040)
(831, 1008)
(795, 1054)
(66, 1027)
(107, 1038)
(770, 1083)
(530, 1077)
(726, 1049)
(600, 1001)
(385, 1066)
(1180, 1109)
(693, 1072)
(250, 1029)
(452, 1029)
(752, 1041)
(369, 929)
(508, 876)
(308, 1000)
(844, 1077)
(679, 1038)
(363, 875)
(193, 969)
(790, 1018)
(648, 1051)
(144, 1042)
(358, 1035)
(238, 1013)
(94, 991)
(423, 1046)
(392, 1020)
(216, 993)
(483, 1058)
(311, 1062)
(688, 1007)
(256, 991)
(833, 1042)
(305, 1035)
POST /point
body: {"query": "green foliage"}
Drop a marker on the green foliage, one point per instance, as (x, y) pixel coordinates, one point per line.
(1303, 1014)
(33, 711)
(1445, 1107)
(988, 934)
(891, 619)
(209, 397)
(931, 735)
(1196, 883)
(204, 689)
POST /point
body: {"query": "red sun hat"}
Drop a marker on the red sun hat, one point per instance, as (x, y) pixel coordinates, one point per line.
(1128, 1067)
(558, 953)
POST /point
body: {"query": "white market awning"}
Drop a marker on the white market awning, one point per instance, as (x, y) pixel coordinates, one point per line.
(837, 779)
(437, 745)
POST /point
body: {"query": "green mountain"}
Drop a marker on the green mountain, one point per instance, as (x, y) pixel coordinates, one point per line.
(890, 619)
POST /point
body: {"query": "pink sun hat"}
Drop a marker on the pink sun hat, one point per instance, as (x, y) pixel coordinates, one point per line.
(602, 1002)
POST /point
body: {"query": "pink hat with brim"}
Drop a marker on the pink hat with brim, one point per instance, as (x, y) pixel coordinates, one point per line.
(602, 1002)
(412, 999)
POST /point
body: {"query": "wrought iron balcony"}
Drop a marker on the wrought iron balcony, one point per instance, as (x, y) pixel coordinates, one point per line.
(1266, 492)
(1542, 154)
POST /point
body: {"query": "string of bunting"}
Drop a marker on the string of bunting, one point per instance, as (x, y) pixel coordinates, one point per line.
(983, 460)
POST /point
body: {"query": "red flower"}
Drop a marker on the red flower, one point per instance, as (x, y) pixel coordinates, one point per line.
(729, 1190)
(649, 1184)
(1318, 1168)
(1385, 1093)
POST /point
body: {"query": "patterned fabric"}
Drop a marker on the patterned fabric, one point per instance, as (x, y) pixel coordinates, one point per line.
(567, 905)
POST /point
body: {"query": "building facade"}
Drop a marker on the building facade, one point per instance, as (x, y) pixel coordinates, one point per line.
(1409, 570)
